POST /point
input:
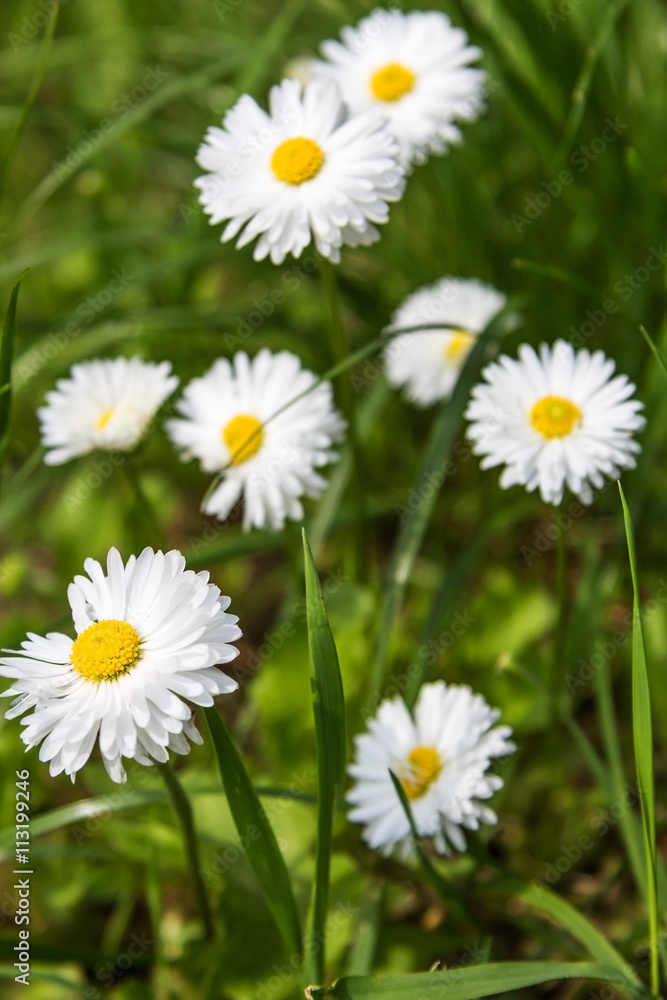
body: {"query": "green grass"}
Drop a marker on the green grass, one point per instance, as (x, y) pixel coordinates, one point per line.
(128, 207)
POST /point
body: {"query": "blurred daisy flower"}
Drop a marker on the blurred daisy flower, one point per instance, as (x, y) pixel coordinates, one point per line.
(149, 634)
(428, 363)
(304, 171)
(414, 67)
(104, 404)
(239, 419)
(555, 419)
(440, 756)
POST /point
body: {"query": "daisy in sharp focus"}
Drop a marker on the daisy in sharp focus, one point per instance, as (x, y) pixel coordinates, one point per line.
(428, 363)
(106, 404)
(149, 634)
(440, 756)
(414, 67)
(305, 171)
(555, 419)
(229, 423)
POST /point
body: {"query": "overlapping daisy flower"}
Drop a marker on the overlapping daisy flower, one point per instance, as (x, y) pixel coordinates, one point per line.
(560, 418)
(305, 171)
(106, 404)
(149, 634)
(440, 755)
(428, 363)
(243, 418)
(413, 66)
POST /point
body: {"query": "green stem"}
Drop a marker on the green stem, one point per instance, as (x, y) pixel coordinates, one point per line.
(563, 605)
(183, 810)
(143, 505)
(339, 354)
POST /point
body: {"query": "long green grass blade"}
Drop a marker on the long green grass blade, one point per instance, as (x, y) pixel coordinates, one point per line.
(416, 519)
(6, 356)
(253, 825)
(329, 713)
(642, 729)
(655, 351)
(474, 982)
(571, 920)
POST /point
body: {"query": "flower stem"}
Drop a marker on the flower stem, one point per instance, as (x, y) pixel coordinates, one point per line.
(339, 353)
(563, 604)
(183, 810)
(143, 505)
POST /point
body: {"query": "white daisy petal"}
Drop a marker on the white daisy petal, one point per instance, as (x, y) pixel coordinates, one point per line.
(555, 419)
(103, 404)
(440, 756)
(121, 682)
(307, 171)
(237, 419)
(427, 363)
(412, 67)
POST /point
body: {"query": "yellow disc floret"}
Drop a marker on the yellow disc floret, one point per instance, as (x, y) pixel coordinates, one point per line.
(243, 435)
(104, 420)
(458, 347)
(105, 650)
(424, 766)
(392, 82)
(297, 160)
(554, 416)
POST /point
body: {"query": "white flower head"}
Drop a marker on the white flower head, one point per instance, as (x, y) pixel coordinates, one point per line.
(440, 756)
(307, 170)
(106, 404)
(415, 68)
(230, 423)
(149, 634)
(429, 362)
(555, 419)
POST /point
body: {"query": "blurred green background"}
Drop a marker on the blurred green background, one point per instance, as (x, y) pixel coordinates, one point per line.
(81, 207)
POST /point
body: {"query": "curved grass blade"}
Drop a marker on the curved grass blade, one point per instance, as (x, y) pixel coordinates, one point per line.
(642, 730)
(329, 713)
(253, 824)
(655, 351)
(6, 355)
(473, 982)
(441, 439)
(571, 920)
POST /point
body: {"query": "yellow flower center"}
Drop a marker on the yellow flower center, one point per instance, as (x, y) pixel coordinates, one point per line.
(554, 416)
(297, 160)
(243, 435)
(425, 766)
(392, 82)
(459, 346)
(104, 420)
(105, 650)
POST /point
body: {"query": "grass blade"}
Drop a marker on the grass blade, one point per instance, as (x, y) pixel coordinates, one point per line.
(329, 713)
(642, 729)
(473, 982)
(6, 355)
(253, 824)
(657, 353)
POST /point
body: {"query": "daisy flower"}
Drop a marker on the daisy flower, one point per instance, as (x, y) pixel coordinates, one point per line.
(440, 756)
(414, 67)
(428, 363)
(230, 424)
(149, 633)
(304, 171)
(104, 404)
(555, 419)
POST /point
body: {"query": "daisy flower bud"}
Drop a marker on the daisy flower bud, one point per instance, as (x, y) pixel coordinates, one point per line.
(149, 635)
(441, 757)
(555, 419)
(103, 404)
(305, 171)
